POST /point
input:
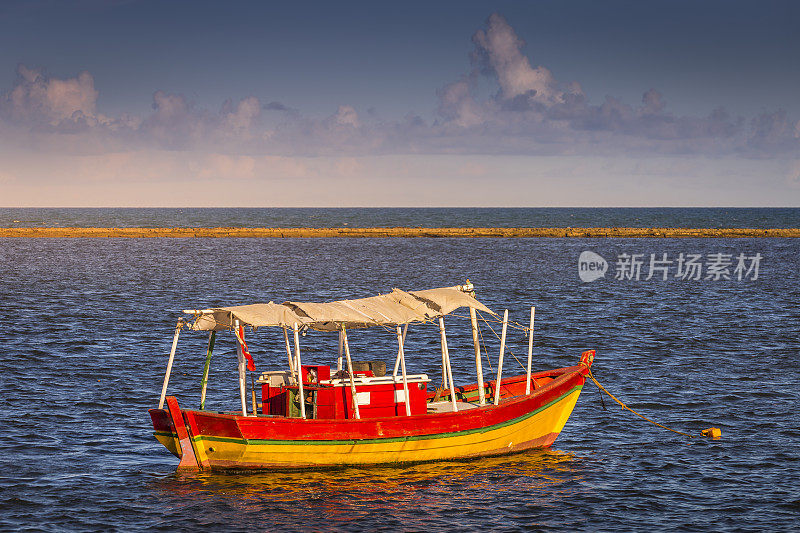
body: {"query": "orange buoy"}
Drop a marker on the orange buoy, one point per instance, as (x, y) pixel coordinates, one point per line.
(713, 433)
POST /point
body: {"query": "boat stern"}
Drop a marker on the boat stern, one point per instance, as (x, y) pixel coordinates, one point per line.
(164, 431)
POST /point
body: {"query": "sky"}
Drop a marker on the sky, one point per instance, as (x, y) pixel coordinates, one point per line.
(538, 103)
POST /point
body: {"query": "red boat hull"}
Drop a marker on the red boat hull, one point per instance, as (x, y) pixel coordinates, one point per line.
(209, 440)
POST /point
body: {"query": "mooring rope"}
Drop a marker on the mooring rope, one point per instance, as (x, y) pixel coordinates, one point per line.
(705, 433)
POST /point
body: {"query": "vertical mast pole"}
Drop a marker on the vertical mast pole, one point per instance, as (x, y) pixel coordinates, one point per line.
(253, 402)
(397, 361)
(206, 369)
(402, 355)
(341, 347)
(242, 367)
(299, 370)
(350, 371)
(169, 363)
(288, 351)
(478, 362)
(500, 359)
(446, 360)
(530, 353)
(445, 382)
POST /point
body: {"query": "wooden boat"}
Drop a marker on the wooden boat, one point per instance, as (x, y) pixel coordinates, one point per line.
(310, 418)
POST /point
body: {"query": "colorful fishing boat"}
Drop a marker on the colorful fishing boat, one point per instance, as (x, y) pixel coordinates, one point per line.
(313, 416)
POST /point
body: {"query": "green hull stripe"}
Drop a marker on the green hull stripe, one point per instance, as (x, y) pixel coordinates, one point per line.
(387, 439)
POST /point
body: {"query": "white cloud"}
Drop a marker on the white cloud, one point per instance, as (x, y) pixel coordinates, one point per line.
(243, 116)
(169, 107)
(498, 51)
(36, 96)
(531, 113)
(457, 105)
(653, 103)
(347, 116)
(534, 113)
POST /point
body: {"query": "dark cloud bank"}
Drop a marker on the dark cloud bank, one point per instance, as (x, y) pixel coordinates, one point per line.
(531, 113)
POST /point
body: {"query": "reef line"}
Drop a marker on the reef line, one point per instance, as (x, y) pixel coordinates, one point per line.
(399, 232)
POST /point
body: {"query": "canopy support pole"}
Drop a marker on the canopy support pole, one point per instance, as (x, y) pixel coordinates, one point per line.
(445, 382)
(402, 355)
(478, 363)
(242, 368)
(206, 369)
(446, 360)
(299, 370)
(288, 351)
(350, 371)
(530, 353)
(169, 364)
(397, 361)
(500, 359)
(339, 361)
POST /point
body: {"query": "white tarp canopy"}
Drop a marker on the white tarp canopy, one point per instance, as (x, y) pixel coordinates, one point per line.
(384, 309)
(447, 299)
(397, 307)
(257, 315)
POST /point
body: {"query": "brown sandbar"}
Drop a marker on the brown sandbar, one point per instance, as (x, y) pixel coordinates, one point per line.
(399, 232)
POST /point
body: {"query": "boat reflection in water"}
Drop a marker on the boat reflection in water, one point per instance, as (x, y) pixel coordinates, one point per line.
(410, 498)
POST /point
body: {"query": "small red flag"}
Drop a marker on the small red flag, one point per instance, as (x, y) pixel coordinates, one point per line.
(250, 364)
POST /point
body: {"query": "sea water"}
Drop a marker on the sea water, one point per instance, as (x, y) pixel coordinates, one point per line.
(712, 217)
(87, 325)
